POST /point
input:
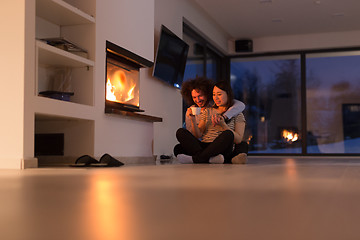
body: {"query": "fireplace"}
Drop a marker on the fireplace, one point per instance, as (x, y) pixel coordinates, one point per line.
(122, 81)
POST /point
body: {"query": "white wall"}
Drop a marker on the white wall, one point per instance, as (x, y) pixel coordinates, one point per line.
(129, 24)
(12, 29)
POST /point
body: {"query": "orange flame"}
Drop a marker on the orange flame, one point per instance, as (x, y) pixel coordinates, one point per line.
(249, 139)
(119, 88)
(290, 136)
(110, 91)
(130, 93)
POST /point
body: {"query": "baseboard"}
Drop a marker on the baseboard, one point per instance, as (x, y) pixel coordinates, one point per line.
(137, 160)
(29, 163)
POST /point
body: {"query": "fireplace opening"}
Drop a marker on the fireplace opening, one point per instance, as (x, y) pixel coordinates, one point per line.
(122, 82)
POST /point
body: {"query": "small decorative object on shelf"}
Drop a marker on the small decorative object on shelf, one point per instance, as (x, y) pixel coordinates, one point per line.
(65, 96)
(60, 85)
(66, 45)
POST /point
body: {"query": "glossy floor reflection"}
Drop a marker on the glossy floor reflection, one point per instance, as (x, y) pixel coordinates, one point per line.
(287, 199)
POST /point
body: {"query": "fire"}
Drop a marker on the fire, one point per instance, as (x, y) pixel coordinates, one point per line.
(130, 94)
(290, 136)
(119, 88)
(249, 139)
(110, 91)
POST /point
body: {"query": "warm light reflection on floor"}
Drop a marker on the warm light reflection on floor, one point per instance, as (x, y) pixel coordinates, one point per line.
(111, 208)
(291, 169)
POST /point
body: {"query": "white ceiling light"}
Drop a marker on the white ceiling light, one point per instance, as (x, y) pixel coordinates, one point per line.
(338, 14)
(277, 20)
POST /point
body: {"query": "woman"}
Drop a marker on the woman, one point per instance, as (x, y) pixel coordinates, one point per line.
(217, 136)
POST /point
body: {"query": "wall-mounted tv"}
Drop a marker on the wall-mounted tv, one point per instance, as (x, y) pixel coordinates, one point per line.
(170, 60)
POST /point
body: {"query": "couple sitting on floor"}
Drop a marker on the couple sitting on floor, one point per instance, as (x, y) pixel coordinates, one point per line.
(216, 134)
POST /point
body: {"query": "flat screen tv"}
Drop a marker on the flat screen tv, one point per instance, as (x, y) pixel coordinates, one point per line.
(170, 59)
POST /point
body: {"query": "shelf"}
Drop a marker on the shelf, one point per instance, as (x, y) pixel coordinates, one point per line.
(138, 116)
(52, 56)
(57, 108)
(62, 13)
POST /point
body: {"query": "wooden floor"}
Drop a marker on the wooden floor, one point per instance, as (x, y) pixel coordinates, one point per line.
(266, 199)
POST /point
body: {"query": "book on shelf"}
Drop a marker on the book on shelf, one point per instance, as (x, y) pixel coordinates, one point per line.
(62, 43)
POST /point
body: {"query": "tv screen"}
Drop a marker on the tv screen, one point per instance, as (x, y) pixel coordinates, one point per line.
(170, 58)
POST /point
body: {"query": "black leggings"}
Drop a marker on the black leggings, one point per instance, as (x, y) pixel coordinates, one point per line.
(201, 151)
(242, 147)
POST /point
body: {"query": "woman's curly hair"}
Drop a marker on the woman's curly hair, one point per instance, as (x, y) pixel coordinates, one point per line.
(200, 83)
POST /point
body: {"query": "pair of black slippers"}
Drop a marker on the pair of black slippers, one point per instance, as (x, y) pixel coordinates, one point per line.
(105, 161)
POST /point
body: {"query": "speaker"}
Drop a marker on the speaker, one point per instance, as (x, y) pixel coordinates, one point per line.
(243, 45)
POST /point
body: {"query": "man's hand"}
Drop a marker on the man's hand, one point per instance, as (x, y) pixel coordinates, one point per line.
(190, 115)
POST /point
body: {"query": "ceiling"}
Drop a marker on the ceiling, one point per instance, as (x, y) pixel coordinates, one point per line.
(261, 18)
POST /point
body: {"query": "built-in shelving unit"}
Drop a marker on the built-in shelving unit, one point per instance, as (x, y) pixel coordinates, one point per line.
(74, 117)
(59, 19)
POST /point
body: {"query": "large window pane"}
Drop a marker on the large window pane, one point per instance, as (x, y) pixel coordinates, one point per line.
(204, 60)
(212, 64)
(270, 88)
(333, 102)
(194, 68)
(195, 60)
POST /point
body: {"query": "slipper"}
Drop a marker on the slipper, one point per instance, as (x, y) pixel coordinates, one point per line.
(84, 161)
(107, 161)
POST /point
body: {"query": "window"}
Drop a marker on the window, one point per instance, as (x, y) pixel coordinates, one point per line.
(195, 60)
(305, 103)
(270, 88)
(203, 58)
(333, 102)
